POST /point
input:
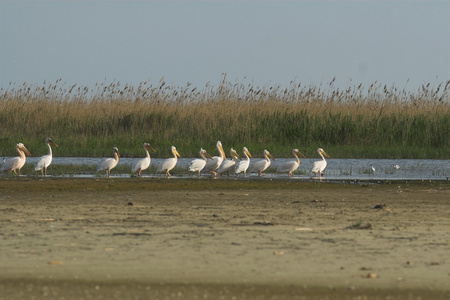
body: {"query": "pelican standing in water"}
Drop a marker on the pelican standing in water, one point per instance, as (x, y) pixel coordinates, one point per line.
(320, 165)
(143, 163)
(242, 166)
(290, 166)
(109, 163)
(169, 163)
(229, 164)
(16, 163)
(197, 165)
(45, 161)
(261, 165)
(372, 169)
(212, 165)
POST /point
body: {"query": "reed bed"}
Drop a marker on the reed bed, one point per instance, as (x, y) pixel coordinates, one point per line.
(375, 121)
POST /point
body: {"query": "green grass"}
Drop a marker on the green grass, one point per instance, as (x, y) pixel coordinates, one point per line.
(359, 122)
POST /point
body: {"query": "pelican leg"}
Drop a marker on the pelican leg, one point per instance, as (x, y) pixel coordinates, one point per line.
(45, 171)
(140, 172)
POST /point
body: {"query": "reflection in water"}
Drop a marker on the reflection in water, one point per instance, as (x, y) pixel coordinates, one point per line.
(352, 169)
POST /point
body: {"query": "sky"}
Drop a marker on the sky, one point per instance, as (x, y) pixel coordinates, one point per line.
(264, 43)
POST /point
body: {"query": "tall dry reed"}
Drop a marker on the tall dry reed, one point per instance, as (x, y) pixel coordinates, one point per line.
(374, 121)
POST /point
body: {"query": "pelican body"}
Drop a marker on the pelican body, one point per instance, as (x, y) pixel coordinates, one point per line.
(45, 160)
(197, 165)
(109, 163)
(16, 163)
(143, 163)
(242, 166)
(291, 166)
(261, 165)
(320, 165)
(213, 164)
(229, 164)
(169, 163)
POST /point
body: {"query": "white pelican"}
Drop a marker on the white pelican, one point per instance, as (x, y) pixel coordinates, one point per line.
(320, 165)
(197, 165)
(290, 166)
(16, 163)
(229, 164)
(213, 164)
(372, 168)
(143, 163)
(261, 165)
(109, 163)
(169, 163)
(45, 161)
(242, 166)
(396, 166)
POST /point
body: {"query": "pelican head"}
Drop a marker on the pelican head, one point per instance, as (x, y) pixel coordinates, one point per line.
(245, 150)
(321, 151)
(220, 148)
(234, 153)
(116, 151)
(21, 147)
(267, 153)
(174, 151)
(296, 151)
(203, 152)
(49, 141)
(148, 147)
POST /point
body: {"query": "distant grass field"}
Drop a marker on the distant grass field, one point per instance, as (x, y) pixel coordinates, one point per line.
(360, 122)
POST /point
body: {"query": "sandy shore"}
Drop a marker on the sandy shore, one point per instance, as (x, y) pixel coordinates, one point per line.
(223, 239)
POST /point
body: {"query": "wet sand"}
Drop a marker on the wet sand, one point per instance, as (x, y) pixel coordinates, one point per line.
(223, 239)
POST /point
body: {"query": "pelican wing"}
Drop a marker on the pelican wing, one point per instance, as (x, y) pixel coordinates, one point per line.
(197, 165)
(260, 165)
(107, 164)
(43, 162)
(141, 164)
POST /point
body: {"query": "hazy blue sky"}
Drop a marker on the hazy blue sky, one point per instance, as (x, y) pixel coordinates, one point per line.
(264, 42)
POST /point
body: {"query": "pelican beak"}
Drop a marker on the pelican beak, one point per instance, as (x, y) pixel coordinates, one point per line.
(150, 148)
(237, 155)
(207, 155)
(223, 152)
(323, 152)
(298, 152)
(25, 150)
(53, 143)
(176, 152)
(248, 153)
(270, 156)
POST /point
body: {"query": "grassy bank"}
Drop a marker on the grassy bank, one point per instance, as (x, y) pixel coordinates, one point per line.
(375, 121)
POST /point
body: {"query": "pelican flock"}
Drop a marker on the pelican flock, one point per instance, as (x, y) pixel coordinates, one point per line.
(16, 163)
(144, 163)
(45, 160)
(109, 163)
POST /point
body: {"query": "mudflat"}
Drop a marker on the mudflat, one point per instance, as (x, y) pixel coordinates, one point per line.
(72, 238)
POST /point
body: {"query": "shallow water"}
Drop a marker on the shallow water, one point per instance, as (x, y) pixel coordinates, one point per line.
(345, 169)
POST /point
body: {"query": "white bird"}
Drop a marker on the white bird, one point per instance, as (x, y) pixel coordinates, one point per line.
(143, 163)
(372, 168)
(197, 165)
(229, 164)
(109, 163)
(242, 166)
(261, 165)
(18, 162)
(396, 166)
(169, 163)
(290, 166)
(213, 164)
(45, 160)
(320, 165)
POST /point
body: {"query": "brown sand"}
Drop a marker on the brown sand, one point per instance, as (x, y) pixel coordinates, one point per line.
(222, 239)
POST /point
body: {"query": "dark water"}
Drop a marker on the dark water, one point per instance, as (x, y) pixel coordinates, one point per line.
(352, 169)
